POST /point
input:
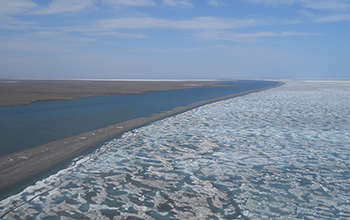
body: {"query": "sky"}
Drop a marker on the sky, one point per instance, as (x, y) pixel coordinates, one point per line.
(174, 39)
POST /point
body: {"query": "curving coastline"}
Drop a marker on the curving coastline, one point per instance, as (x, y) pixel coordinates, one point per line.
(22, 165)
(25, 92)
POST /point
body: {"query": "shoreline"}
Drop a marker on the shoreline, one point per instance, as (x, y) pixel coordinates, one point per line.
(22, 165)
(25, 92)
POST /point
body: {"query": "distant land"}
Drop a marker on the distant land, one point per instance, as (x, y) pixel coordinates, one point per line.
(24, 92)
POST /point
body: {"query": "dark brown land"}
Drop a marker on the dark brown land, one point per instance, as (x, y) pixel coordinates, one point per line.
(24, 92)
(22, 165)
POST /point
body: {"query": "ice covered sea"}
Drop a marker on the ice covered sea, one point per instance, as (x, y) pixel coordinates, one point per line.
(282, 153)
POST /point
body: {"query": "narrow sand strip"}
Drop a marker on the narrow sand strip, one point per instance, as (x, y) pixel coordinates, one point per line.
(22, 165)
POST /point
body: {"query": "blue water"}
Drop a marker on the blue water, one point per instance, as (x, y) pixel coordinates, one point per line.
(23, 127)
(282, 153)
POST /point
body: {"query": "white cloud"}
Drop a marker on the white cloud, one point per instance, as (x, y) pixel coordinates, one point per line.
(335, 18)
(170, 50)
(274, 2)
(245, 37)
(306, 14)
(120, 35)
(194, 24)
(314, 10)
(326, 5)
(63, 6)
(130, 2)
(28, 45)
(216, 3)
(45, 41)
(311, 4)
(8, 7)
(178, 3)
(60, 37)
(8, 22)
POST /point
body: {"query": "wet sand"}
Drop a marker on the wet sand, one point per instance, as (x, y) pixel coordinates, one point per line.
(22, 165)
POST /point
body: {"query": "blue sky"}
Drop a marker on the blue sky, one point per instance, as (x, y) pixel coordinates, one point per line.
(172, 39)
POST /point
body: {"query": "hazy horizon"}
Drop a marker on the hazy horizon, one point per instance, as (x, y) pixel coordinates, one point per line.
(174, 39)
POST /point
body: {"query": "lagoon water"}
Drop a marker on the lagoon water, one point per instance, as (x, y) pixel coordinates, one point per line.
(23, 127)
(282, 153)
